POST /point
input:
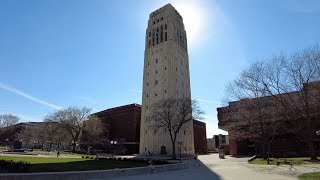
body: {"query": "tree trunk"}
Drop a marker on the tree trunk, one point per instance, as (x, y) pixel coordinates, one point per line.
(312, 152)
(174, 150)
(74, 147)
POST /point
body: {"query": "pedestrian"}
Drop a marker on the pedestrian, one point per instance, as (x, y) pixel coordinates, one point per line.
(152, 167)
(58, 153)
(196, 161)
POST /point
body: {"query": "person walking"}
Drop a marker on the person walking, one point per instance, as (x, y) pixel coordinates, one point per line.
(196, 161)
(58, 153)
(152, 167)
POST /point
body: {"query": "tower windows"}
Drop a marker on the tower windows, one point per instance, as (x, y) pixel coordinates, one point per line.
(165, 68)
(165, 26)
(161, 18)
(165, 36)
(176, 69)
(156, 71)
(156, 60)
(147, 74)
(149, 33)
(147, 84)
(165, 91)
(147, 95)
(149, 42)
(154, 22)
(155, 94)
(146, 132)
(156, 82)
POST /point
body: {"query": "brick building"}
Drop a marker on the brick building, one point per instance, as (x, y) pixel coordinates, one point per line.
(123, 124)
(285, 141)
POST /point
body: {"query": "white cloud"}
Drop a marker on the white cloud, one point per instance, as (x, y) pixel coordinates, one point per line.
(27, 96)
(209, 101)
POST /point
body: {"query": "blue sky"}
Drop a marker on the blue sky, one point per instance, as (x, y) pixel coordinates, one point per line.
(56, 54)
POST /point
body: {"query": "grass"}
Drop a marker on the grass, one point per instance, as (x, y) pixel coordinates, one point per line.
(310, 176)
(293, 161)
(43, 164)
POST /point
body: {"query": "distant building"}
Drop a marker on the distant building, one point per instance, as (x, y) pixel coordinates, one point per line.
(211, 144)
(123, 124)
(200, 136)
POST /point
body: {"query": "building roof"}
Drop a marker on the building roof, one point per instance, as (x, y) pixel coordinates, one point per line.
(118, 108)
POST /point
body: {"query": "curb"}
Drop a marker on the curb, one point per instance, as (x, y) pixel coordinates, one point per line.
(95, 174)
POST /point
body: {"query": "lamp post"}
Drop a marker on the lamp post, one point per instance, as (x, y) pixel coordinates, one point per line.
(113, 143)
(180, 144)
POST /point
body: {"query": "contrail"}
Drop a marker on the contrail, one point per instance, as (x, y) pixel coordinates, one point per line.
(27, 96)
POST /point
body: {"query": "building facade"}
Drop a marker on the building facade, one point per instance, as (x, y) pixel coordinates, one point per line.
(166, 75)
(285, 140)
(122, 124)
(200, 137)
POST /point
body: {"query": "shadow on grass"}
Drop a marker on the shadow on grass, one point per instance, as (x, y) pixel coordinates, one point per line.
(85, 165)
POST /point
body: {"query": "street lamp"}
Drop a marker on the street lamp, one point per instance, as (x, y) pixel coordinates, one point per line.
(180, 144)
(113, 143)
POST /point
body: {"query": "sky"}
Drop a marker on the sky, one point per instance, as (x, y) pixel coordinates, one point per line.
(57, 54)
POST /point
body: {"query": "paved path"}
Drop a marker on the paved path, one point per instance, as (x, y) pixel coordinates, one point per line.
(213, 168)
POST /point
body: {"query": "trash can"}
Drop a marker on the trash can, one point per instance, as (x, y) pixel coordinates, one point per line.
(221, 153)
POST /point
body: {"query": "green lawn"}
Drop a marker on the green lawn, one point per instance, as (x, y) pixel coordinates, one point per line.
(310, 176)
(42, 164)
(294, 161)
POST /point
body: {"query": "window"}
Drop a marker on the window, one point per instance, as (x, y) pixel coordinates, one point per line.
(147, 84)
(158, 20)
(156, 71)
(165, 26)
(161, 18)
(156, 60)
(165, 36)
(146, 132)
(165, 68)
(184, 132)
(176, 69)
(147, 95)
(155, 131)
(147, 74)
(145, 148)
(149, 42)
(154, 22)
(156, 82)
(155, 94)
(149, 34)
(165, 91)
(148, 63)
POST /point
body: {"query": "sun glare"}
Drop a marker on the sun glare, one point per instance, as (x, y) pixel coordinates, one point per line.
(193, 17)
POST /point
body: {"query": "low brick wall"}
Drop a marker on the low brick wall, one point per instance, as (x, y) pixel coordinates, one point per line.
(84, 175)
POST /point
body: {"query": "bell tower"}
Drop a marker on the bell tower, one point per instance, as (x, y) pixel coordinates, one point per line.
(166, 75)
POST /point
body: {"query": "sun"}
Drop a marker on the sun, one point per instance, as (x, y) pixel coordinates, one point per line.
(193, 18)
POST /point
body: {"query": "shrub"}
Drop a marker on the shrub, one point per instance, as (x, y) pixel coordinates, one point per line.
(12, 167)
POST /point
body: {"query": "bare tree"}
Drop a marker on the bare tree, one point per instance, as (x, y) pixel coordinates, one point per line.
(7, 120)
(26, 135)
(293, 83)
(92, 133)
(171, 115)
(72, 120)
